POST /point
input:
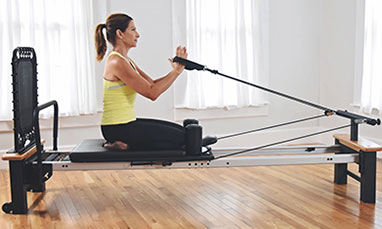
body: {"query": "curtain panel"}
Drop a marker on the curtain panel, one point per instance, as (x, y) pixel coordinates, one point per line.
(61, 32)
(371, 90)
(228, 35)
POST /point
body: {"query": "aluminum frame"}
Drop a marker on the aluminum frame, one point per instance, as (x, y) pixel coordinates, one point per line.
(302, 155)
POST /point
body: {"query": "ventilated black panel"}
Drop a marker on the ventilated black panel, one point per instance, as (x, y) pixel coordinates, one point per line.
(24, 80)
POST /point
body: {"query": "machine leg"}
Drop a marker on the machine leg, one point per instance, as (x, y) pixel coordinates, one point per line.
(368, 169)
(19, 203)
(37, 188)
(36, 183)
(340, 172)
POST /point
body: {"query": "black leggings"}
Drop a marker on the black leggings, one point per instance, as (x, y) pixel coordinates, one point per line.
(146, 134)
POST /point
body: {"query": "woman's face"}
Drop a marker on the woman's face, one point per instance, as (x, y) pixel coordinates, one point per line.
(130, 36)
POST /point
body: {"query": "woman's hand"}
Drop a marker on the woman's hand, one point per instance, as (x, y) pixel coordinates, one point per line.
(180, 52)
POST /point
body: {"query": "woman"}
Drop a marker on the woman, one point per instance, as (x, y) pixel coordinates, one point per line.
(123, 79)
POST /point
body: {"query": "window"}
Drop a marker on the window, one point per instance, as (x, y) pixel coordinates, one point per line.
(61, 33)
(368, 93)
(230, 36)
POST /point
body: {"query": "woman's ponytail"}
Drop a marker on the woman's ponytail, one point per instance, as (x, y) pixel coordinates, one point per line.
(100, 42)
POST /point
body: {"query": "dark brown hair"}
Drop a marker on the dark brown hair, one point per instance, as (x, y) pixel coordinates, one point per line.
(113, 23)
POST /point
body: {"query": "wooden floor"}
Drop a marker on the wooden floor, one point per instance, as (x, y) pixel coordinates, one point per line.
(253, 197)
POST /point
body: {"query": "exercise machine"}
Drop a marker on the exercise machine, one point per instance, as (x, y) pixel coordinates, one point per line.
(30, 165)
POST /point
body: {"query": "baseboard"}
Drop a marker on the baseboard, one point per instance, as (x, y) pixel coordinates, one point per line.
(379, 142)
(267, 137)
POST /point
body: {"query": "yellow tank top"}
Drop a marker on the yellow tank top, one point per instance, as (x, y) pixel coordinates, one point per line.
(118, 100)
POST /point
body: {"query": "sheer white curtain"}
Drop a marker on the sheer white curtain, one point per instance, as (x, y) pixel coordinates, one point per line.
(371, 92)
(228, 35)
(61, 32)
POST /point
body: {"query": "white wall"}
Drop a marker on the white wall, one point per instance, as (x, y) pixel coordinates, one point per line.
(311, 57)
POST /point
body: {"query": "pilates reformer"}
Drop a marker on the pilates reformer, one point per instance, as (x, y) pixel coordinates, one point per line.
(30, 166)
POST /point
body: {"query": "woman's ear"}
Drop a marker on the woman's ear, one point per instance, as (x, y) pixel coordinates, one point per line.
(119, 33)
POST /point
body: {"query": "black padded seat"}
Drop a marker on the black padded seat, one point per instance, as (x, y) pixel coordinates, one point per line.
(91, 150)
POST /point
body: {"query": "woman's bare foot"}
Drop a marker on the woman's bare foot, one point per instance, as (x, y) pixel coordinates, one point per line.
(116, 145)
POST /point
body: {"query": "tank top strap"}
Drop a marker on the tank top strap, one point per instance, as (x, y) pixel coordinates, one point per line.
(118, 54)
(127, 59)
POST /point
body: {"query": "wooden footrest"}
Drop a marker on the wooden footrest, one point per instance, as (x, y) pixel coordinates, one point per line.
(19, 157)
(361, 145)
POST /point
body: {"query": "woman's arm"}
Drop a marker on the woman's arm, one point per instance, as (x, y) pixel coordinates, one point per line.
(142, 73)
(143, 84)
(148, 78)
